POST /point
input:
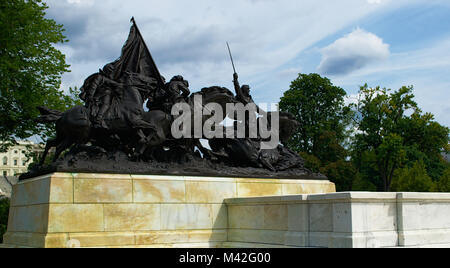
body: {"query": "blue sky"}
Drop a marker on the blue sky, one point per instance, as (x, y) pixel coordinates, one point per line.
(389, 43)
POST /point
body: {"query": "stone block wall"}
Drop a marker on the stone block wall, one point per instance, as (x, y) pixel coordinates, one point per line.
(341, 220)
(104, 210)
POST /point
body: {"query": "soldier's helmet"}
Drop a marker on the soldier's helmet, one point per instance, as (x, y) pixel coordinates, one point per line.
(177, 78)
(246, 89)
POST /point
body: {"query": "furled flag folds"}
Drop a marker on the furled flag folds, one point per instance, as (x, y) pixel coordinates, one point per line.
(136, 57)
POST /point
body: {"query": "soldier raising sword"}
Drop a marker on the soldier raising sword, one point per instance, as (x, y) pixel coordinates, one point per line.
(242, 93)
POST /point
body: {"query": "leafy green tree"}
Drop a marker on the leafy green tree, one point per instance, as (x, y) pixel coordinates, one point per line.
(319, 107)
(392, 132)
(361, 184)
(342, 173)
(73, 98)
(425, 139)
(414, 179)
(30, 68)
(443, 184)
(4, 211)
(311, 162)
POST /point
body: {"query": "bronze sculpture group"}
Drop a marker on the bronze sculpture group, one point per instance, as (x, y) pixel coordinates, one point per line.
(125, 126)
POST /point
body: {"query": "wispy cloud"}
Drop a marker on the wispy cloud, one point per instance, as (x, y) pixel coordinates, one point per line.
(190, 38)
(426, 69)
(266, 37)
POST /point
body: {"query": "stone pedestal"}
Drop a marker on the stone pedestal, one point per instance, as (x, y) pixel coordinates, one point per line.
(341, 220)
(104, 210)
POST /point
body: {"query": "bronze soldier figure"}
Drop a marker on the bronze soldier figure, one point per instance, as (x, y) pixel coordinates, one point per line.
(96, 92)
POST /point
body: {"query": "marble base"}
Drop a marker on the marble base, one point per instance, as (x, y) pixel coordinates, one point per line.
(341, 220)
(104, 210)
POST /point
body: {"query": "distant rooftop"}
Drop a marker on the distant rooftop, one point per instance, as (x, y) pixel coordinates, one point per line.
(23, 142)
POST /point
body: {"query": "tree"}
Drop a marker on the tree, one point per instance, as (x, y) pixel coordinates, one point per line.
(414, 179)
(319, 107)
(443, 184)
(30, 68)
(388, 138)
(363, 185)
(311, 162)
(342, 173)
(425, 140)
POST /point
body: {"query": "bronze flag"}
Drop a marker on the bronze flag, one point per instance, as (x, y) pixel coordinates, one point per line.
(136, 57)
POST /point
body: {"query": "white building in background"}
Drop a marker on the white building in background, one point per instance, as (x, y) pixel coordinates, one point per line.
(15, 161)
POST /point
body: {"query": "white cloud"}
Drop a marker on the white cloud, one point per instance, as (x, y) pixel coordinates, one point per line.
(266, 36)
(81, 2)
(426, 69)
(352, 52)
(189, 39)
(434, 57)
(289, 73)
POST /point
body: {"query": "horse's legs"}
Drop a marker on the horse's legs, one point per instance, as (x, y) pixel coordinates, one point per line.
(50, 143)
(65, 144)
(141, 145)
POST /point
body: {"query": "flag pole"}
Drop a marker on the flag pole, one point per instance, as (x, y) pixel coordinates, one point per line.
(159, 78)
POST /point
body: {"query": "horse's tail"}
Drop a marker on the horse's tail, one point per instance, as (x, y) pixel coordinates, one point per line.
(48, 115)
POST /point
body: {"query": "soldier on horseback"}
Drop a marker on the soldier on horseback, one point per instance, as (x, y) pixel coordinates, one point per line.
(113, 120)
(178, 89)
(97, 93)
(175, 91)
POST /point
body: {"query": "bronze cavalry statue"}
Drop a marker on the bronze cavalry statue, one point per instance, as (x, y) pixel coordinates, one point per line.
(126, 126)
